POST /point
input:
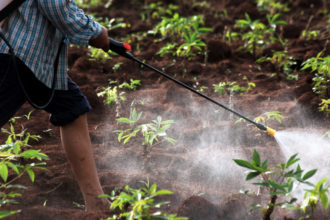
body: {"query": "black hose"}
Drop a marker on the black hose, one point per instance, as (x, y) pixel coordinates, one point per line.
(130, 56)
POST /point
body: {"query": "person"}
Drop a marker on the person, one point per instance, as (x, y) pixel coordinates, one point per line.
(35, 31)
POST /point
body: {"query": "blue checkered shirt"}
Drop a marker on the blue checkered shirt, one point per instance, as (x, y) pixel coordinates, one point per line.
(36, 29)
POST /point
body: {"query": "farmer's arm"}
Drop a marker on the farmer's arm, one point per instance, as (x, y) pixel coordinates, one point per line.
(78, 27)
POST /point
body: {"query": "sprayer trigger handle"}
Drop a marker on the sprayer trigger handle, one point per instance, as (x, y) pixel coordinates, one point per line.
(119, 47)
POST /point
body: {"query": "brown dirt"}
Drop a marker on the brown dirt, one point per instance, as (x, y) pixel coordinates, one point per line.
(193, 166)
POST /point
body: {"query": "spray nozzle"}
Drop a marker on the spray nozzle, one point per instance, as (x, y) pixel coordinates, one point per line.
(271, 132)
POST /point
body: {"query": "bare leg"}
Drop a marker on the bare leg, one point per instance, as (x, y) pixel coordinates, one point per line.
(78, 148)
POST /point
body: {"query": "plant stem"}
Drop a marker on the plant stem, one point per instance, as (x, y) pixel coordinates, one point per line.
(270, 208)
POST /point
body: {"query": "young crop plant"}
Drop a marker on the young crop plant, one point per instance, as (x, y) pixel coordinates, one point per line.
(133, 85)
(156, 10)
(151, 132)
(140, 203)
(280, 181)
(324, 106)
(232, 88)
(257, 35)
(265, 118)
(17, 159)
(321, 66)
(185, 32)
(272, 6)
(111, 94)
(94, 3)
(282, 62)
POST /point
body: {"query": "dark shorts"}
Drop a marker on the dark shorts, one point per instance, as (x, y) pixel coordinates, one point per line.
(65, 107)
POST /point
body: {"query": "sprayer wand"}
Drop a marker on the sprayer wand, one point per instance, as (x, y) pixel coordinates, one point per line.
(123, 50)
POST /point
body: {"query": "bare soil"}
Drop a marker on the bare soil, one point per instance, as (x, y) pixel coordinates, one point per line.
(198, 168)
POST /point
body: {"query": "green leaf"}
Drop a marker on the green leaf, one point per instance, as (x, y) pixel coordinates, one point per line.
(244, 163)
(31, 174)
(309, 174)
(324, 200)
(252, 175)
(256, 157)
(4, 214)
(163, 192)
(292, 160)
(125, 120)
(31, 154)
(3, 171)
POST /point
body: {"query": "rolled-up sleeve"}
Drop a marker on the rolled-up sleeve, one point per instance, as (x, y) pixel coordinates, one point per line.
(65, 15)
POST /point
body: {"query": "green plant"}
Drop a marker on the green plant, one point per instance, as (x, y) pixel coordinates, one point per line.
(168, 49)
(91, 3)
(111, 94)
(283, 62)
(265, 117)
(321, 66)
(275, 116)
(155, 10)
(324, 106)
(272, 6)
(192, 41)
(233, 87)
(133, 85)
(96, 54)
(258, 35)
(140, 203)
(280, 181)
(186, 31)
(150, 131)
(310, 35)
(16, 158)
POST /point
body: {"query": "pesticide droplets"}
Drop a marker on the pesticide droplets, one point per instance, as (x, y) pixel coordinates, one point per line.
(312, 148)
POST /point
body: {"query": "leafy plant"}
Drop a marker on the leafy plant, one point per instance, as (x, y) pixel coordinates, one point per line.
(233, 87)
(272, 6)
(310, 35)
(155, 10)
(324, 106)
(265, 117)
(16, 157)
(168, 49)
(280, 181)
(133, 85)
(150, 131)
(283, 62)
(258, 35)
(192, 41)
(111, 94)
(275, 115)
(321, 66)
(140, 203)
(186, 31)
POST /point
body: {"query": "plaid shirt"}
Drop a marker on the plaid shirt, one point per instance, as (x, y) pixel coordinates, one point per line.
(36, 30)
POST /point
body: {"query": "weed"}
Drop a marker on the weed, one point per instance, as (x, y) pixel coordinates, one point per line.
(280, 181)
(140, 203)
